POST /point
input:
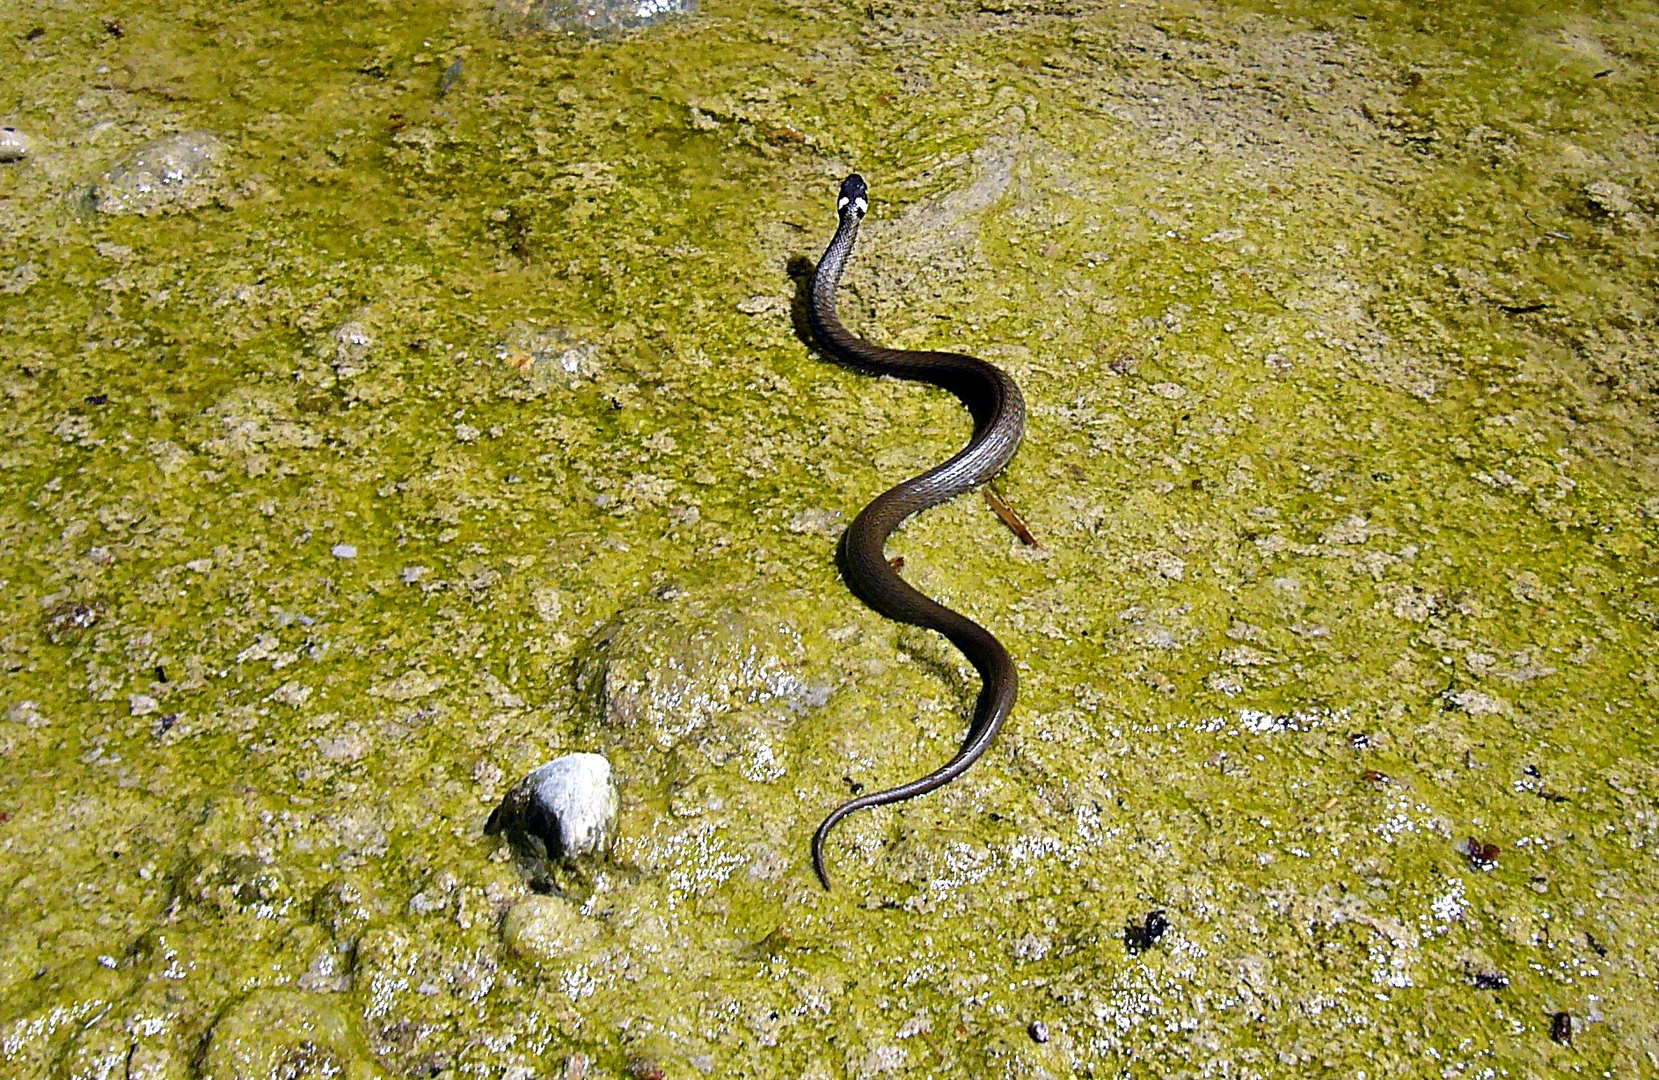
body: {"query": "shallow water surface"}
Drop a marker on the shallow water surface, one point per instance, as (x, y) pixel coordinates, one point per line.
(377, 429)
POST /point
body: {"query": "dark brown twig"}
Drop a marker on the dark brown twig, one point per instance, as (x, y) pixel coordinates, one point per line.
(1015, 523)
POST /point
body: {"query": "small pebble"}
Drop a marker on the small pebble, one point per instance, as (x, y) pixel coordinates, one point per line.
(345, 551)
(1038, 1031)
(14, 145)
(352, 344)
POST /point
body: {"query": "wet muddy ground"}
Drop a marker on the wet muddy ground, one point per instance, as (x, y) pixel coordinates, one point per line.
(396, 398)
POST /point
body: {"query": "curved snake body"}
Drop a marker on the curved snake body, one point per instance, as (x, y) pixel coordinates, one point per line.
(999, 422)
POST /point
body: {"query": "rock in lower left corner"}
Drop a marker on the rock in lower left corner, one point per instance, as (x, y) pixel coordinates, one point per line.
(565, 810)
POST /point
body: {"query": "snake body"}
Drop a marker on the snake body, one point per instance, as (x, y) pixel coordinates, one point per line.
(998, 413)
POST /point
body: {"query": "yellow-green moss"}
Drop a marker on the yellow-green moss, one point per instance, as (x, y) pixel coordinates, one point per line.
(1337, 328)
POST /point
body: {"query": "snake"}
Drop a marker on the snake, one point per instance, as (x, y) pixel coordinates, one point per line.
(998, 411)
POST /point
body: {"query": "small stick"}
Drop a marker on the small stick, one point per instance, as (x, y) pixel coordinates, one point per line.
(1009, 518)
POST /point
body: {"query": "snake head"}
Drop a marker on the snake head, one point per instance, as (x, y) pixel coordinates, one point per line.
(855, 196)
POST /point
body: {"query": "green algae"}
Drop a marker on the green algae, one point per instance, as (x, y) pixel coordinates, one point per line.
(1337, 328)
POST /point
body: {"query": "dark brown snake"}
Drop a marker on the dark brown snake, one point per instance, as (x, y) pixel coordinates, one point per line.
(999, 422)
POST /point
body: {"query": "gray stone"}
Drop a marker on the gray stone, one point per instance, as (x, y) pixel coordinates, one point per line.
(546, 928)
(14, 145)
(169, 175)
(352, 343)
(537, 360)
(564, 811)
(275, 1032)
(707, 666)
(590, 18)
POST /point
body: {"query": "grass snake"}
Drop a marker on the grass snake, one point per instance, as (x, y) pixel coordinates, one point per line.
(998, 413)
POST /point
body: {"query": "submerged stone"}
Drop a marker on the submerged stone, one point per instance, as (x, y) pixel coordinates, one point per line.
(543, 359)
(285, 1033)
(352, 343)
(565, 810)
(173, 174)
(1612, 200)
(19, 279)
(546, 928)
(14, 145)
(683, 668)
(590, 18)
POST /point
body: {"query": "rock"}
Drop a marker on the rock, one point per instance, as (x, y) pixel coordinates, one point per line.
(121, 1041)
(589, 18)
(149, 1061)
(14, 145)
(563, 811)
(1609, 198)
(546, 928)
(346, 906)
(169, 175)
(542, 360)
(686, 668)
(352, 343)
(1476, 703)
(285, 1033)
(408, 686)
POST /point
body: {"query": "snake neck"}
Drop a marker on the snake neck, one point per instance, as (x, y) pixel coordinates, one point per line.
(989, 394)
(821, 314)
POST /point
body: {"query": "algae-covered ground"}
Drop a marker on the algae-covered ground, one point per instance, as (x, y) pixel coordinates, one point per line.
(441, 411)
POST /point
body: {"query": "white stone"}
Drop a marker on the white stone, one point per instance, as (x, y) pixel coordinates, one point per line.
(567, 809)
(14, 145)
(579, 792)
